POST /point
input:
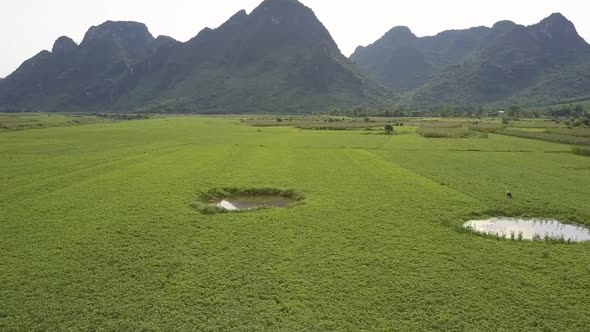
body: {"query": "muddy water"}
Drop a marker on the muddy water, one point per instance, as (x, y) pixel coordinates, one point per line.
(237, 203)
(530, 228)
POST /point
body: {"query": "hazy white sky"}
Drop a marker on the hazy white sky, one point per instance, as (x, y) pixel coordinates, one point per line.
(29, 26)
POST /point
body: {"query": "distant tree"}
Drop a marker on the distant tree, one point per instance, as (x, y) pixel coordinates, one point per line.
(367, 119)
(480, 112)
(400, 112)
(526, 114)
(514, 111)
(578, 111)
(358, 111)
(447, 112)
(279, 119)
(389, 129)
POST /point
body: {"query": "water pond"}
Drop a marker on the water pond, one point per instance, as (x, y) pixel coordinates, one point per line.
(237, 203)
(530, 229)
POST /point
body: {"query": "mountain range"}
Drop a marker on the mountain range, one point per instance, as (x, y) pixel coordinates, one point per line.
(508, 63)
(281, 59)
(278, 58)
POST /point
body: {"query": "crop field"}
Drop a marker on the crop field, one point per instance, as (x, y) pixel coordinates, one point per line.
(97, 231)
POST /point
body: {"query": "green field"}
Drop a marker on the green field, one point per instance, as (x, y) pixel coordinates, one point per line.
(97, 231)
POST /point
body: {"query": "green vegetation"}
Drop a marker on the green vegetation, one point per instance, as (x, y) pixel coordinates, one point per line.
(448, 130)
(96, 232)
(568, 109)
(557, 138)
(545, 130)
(388, 129)
(579, 132)
(581, 151)
(330, 122)
(434, 132)
(20, 121)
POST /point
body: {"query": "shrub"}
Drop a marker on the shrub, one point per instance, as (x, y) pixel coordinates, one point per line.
(448, 132)
(578, 132)
(487, 127)
(581, 151)
(389, 129)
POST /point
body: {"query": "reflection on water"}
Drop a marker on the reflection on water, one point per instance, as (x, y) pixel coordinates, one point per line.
(236, 203)
(530, 229)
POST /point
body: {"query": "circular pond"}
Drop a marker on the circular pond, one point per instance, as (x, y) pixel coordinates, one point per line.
(529, 229)
(232, 199)
(250, 202)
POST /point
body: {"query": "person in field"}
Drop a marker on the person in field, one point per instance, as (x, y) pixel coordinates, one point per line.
(508, 194)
